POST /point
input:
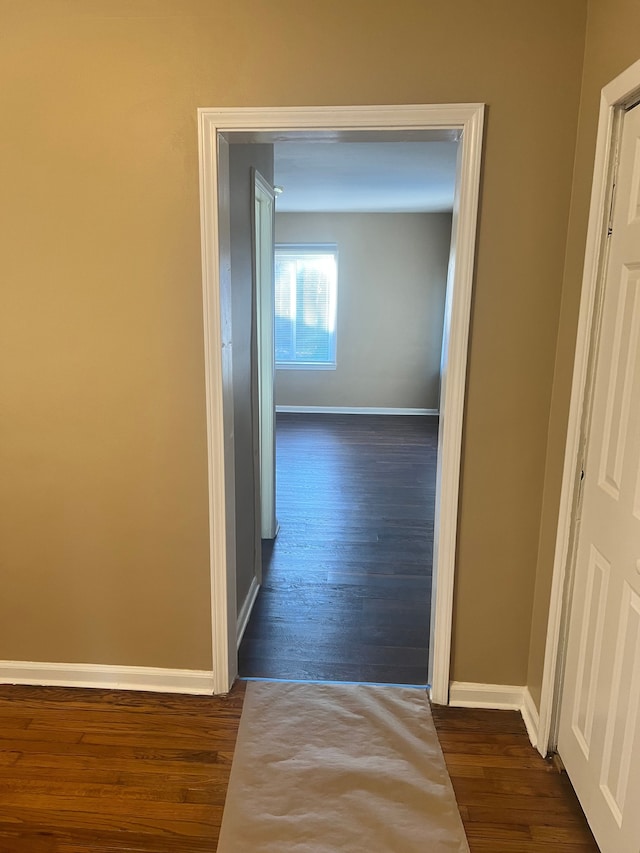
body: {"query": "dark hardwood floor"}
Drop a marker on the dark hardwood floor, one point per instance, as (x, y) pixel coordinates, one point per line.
(511, 800)
(96, 771)
(347, 582)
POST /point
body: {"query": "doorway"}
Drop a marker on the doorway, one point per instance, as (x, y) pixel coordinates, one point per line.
(462, 122)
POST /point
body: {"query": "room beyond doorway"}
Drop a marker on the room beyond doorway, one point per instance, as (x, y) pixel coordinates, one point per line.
(347, 583)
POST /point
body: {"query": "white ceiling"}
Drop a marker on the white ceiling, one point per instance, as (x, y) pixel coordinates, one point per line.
(382, 177)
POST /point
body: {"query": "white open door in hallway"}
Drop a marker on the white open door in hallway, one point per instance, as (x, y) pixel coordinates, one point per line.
(263, 246)
(599, 729)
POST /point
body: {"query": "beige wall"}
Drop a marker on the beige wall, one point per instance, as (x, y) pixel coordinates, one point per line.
(242, 158)
(392, 278)
(103, 494)
(612, 45)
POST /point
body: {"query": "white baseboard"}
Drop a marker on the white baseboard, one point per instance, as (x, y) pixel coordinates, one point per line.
(155, 679)
(350, 410)
(531, 717)
(466, 694)
(245, 611)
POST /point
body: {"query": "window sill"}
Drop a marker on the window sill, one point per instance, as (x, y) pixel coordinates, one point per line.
(303, 366)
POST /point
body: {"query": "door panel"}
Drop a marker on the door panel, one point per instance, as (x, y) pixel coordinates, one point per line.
(264, 249)
(599, 738)
(590, 646)
(622, 716)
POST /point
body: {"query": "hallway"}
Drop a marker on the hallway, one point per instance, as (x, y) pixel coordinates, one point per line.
(347, 582)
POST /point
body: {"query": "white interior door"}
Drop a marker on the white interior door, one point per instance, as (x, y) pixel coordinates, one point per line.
(599, 728)
(264, 248)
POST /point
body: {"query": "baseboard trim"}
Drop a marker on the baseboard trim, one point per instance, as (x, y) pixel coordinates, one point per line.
(245, 611)
(531, 717)
(351, 410)
(466, 694)
(154, 679)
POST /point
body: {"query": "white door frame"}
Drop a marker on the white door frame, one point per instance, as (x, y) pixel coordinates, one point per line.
(621, 92)
(259, 124)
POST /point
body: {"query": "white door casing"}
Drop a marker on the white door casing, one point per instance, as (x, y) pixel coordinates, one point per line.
(216, 126)
(599, 724)
(263, 260)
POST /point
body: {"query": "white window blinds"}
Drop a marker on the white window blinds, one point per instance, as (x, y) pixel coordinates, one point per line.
(305, 305)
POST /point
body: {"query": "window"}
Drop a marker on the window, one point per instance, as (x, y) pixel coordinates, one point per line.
(305, 305)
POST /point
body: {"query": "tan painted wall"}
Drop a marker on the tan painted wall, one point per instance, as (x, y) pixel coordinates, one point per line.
(103, 494)
(392, 281)
(612, 45)
(242, 158)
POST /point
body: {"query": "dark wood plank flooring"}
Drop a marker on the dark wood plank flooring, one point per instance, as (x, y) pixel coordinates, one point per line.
(347, 582)
(511, 800)
(95, 771)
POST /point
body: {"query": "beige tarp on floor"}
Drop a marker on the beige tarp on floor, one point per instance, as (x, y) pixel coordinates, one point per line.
(321, 768)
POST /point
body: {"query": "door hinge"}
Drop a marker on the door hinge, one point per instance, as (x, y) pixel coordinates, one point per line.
(578, 504)
(610, 219)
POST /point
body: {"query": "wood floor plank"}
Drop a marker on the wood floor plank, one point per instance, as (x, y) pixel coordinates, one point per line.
(114, 771)
(124, 794)
(510, 798)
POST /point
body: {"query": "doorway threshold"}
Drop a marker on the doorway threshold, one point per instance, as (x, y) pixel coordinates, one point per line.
(327, 681)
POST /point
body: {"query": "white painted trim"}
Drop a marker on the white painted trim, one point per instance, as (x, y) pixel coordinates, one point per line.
(469, 694)
(244, 614)
(465, 694)
(452, 397)
(156, 679)
(353, 410)
(218, 369)
(463, 120)
(530, 716)
(620, 91)
(373, 118)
